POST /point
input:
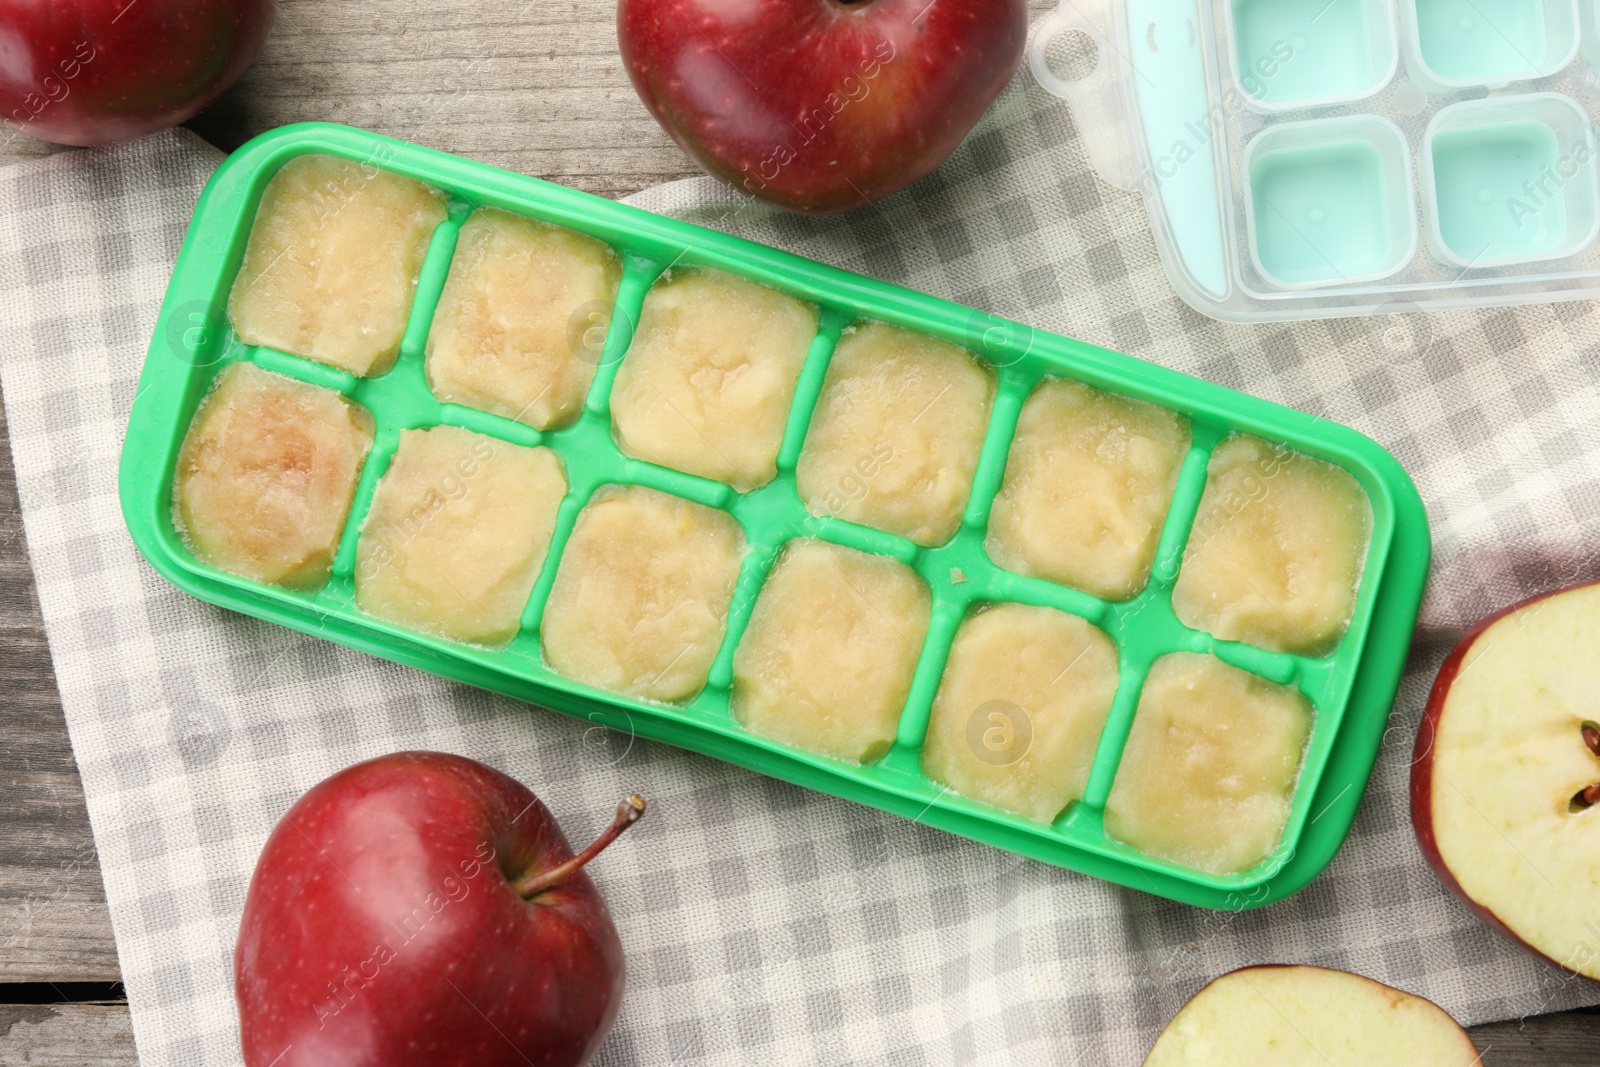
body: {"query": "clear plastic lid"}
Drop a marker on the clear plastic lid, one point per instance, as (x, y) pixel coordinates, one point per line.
(1321, 158)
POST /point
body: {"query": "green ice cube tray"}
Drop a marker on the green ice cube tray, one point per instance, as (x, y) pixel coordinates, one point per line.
(1352, 688)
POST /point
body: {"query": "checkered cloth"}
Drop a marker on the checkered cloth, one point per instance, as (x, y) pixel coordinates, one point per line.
(766, 923)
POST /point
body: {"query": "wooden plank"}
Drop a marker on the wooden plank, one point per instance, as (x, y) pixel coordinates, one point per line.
(536, 87)
(66, 1035)
(1571, 1039)
(76, 1034)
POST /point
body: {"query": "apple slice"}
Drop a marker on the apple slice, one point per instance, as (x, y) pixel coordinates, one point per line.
(1288, 1016)
(1506, 775)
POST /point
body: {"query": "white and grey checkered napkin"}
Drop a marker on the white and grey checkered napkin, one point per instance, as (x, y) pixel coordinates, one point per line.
(765, 922)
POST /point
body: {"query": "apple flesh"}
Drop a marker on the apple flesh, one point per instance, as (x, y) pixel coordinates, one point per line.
(423, 909)
(93, 72)
(1506, 775)
(1278, 1016)
(820, 105)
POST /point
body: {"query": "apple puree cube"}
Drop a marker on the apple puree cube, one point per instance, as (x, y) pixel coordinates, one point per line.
(459, 527)
(833, 642)
(1210, 765)
(708, 379)
(1019, 711)
(1276, 549)
(1087, 486)
(266, 474)
(332, 262)
(517, 328)
(895, 438)
(640, 601)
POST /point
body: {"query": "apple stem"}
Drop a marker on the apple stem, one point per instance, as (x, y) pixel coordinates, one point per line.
(628, 813)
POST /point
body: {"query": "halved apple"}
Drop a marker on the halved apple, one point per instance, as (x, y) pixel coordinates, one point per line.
(1298, 1016)
(1507, 771)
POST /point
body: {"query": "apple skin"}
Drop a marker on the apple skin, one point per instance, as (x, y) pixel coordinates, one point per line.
(1463, 1054)
(815, 105)
(1422, 772)
(94, 72)
(382, 928)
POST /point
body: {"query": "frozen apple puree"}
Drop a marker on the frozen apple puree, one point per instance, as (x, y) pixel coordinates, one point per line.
(832, 644)
(1087, 487)
(520, 325)
(1019, 711)
(895, 437)
(640, 601)
(707, 382)
(459, 526)
(1210, 765)
(332, 262)
(266, 475)
(1276, 550)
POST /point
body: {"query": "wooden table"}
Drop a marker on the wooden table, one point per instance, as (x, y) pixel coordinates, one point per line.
(536, 87)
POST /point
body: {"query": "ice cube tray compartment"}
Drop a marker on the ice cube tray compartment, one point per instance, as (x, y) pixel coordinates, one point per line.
(1460, 44)
(1508, 150)
(1330, 200)
(1351, 688)
(1336, 52)
(1477, 117)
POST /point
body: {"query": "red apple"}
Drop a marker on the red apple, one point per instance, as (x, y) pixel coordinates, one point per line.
(1506, 775)
(90, 72)
(820, 105)
(423, 909)
(1313, 1016)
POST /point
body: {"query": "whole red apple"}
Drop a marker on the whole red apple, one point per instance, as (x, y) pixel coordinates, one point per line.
(820, 105)
(91, 72)
(423, 909)
(1505, 780)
